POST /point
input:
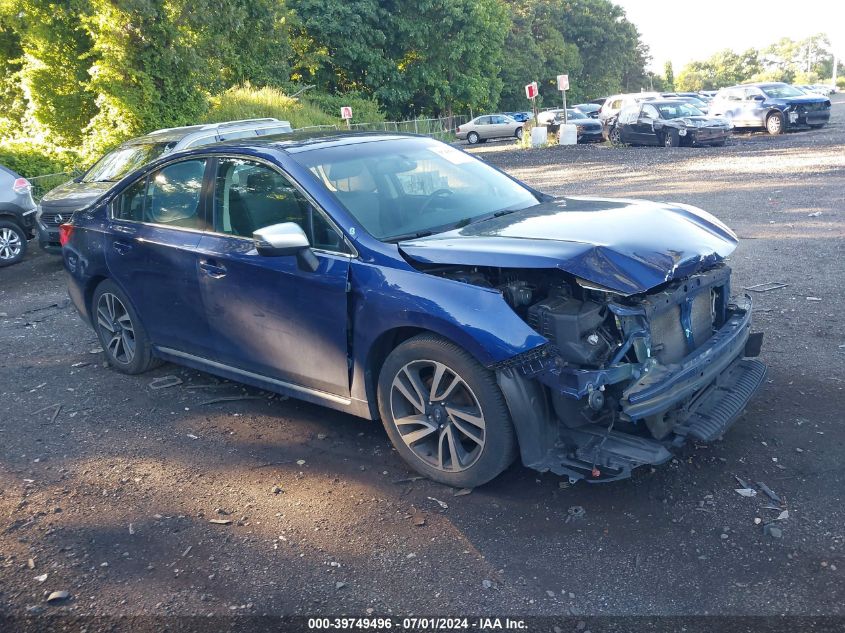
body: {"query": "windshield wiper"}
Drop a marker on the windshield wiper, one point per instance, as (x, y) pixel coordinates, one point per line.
(408, 236)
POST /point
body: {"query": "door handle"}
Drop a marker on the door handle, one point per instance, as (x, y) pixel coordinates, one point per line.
(212, 269)
(122, 247)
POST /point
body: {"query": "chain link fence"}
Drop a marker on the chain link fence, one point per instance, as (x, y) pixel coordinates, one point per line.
(42, 184)
(442, 129)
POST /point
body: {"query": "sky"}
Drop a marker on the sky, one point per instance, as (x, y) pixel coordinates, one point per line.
(687, 31)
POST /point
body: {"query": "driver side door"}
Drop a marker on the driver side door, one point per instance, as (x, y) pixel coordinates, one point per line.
(643, 129)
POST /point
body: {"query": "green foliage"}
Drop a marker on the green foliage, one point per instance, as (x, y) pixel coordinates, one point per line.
(244, 102)
(669, 76)
(12, 104)
(31, 159)
(364, 109)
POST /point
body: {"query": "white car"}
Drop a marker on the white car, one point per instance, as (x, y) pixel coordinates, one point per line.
(615, 103)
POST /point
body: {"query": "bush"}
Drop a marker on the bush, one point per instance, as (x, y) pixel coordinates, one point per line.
(364, 109)
(245, 102)
(31, 159)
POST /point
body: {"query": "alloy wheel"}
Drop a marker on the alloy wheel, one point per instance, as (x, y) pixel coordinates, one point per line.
(116, 327)
(10, 243)
(437, 415)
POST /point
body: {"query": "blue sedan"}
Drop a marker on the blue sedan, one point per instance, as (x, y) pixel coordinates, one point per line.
(398, 278)
(775, 107)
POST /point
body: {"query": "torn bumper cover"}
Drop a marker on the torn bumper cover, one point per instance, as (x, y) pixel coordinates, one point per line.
(698, 397)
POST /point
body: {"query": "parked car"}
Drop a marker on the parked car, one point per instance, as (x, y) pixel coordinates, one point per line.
(17, 216)
(60, 203)
(590, 109)
(822, 89)
(588, 130)
(398, 278)
(547, 117)
(775, 107)
(707, 93)
(521, 117)
(613, 105)
(668, 122)
(483, 128)
(695, 102)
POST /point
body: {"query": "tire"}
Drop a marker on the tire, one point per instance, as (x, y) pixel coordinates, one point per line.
(774, 123)
(671, 139)
(719, 143)
(518, 133)
(13, 243)
(473, 138)
(614, 136)
(433, 440)
(123, 337)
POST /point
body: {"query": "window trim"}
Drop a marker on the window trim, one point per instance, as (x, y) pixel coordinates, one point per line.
(353, 254)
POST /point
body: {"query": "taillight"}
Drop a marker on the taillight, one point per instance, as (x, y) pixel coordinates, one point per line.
(21, 185)
(65, 231)
(458, 130)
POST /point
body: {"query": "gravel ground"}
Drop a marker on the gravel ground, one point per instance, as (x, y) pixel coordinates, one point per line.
(108, 487)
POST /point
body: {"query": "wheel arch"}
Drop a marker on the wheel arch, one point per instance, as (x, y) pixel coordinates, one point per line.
(10, 216)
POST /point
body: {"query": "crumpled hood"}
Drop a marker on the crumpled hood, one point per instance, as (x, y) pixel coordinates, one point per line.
(74, 195)
(627, 246)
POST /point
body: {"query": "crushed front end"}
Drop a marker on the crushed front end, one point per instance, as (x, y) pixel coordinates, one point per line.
(624, 379)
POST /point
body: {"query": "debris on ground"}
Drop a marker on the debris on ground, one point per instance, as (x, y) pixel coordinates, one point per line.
(814, 299)
(41, 578)
(165, 382)
(407, 480)
(58, 596)
(220, 521)
(814, 214)
(228, 399)
(487, 584)
(339, 585)
(462, 492)
(419, 520)
(771, 530)
(769, 492)
(575, 513)
(746, 492)
(442, 504)
(767, 286)
(742, 483)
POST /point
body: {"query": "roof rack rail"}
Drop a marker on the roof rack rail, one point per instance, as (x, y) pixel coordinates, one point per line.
(242, 121)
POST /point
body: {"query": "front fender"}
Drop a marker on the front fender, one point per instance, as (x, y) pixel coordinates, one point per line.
(473, 317)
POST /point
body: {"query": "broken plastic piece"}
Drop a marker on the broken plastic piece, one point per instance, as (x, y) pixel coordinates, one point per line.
(769, 492)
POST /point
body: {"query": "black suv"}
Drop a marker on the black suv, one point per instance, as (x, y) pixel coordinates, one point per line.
(17, 216)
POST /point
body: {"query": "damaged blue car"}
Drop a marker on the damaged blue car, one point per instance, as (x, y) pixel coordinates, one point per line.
(398, 278)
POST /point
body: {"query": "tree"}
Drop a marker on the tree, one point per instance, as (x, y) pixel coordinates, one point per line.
(669, 76)
(12, 105)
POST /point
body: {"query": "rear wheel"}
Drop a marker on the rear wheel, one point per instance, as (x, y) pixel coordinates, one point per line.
(444, 413)
(473, 138)
(13, 243)
(774, 123)
(119, 329)
(518, 133)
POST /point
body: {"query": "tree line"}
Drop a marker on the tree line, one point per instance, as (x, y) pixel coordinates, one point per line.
(91, 73)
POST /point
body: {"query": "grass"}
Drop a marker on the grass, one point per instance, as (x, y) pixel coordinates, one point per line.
(244, 102)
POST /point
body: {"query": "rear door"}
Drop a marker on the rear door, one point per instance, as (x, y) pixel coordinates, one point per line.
(267, 315)
(151, 252)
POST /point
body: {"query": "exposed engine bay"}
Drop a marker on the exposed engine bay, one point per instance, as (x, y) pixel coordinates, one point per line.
(622, 379)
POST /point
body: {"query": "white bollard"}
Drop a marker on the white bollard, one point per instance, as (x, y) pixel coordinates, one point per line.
(568, 134)
(539, 136)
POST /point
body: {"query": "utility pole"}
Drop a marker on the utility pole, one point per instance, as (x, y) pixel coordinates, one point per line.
(834, 70)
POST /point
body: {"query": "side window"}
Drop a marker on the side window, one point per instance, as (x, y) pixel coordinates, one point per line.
(483, 120)
(174, 195)
(650, 111)
(750, 93)
(733, 95)
(249, 196)
(616, 104)
(130, 204)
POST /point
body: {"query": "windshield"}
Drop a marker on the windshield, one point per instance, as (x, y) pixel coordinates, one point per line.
(695, 101)
(115, 165)
(573, 114)
(780, 92)
(401, 188)
(678, 110)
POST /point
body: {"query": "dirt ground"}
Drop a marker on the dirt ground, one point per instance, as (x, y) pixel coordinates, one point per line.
(108, 487)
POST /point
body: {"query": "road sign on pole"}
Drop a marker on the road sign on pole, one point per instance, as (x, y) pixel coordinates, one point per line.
(346, 114)
(563, 86)
(531, 92)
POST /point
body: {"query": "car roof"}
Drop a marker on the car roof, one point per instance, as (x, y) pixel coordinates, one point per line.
(296, 142)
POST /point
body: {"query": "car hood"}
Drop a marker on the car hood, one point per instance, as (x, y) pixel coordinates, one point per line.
(75, 195)
(625, 246)
(799, 100)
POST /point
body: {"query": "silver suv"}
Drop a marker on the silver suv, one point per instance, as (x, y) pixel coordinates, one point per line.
(59, 204)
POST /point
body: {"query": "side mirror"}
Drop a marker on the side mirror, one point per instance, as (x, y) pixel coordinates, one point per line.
(758, 98)
(284, 240)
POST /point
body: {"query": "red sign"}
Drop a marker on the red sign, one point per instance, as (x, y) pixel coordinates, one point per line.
(531, 90)
(346, 112)
(563, 82)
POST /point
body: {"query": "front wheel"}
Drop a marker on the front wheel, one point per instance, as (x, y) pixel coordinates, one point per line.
(119, 329)
(12, 243)
(671, 139)
(473, 138)
(444, 413)
(614, 136)
(774, 123)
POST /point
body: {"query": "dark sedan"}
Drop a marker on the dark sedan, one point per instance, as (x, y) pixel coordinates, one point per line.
(398, 278)
(668, 122)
